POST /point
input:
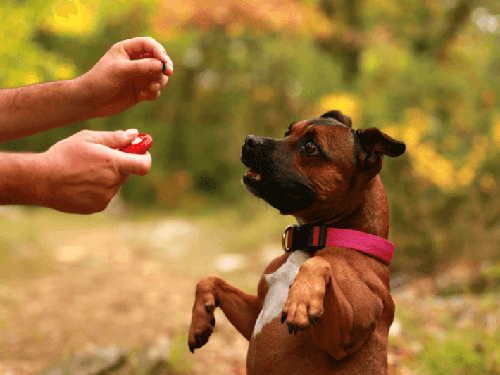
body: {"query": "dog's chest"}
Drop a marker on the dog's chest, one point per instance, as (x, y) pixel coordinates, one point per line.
(278, 286)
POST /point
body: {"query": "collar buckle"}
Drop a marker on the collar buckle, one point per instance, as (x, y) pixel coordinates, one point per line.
(304, 237)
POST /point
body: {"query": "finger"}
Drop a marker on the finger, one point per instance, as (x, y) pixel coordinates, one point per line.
(148, 95)
(133, 163)
(157, 77)
(153, 88)
(114, 139)
(143, 45)
(163, 81)
(169, 67)
(155, 83)
(147, 45)
(142, 67)
(122, 179)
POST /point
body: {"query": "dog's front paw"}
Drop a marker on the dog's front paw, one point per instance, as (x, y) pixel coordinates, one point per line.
(304, 305)
(203, 320)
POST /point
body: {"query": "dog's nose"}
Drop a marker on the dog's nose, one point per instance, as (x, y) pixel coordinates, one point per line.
(253, 141)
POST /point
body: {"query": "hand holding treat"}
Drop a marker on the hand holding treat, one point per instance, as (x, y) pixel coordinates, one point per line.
(82, 173)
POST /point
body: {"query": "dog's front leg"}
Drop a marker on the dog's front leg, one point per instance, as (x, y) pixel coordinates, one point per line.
(304, 305)
(341, 308)
(240, 308)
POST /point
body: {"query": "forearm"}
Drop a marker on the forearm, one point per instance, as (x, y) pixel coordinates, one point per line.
(132, 71)
(20, 179)
(29, 110)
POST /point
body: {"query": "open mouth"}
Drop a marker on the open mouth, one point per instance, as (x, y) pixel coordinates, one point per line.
(272, 176)
(252, 174)
(286, 192)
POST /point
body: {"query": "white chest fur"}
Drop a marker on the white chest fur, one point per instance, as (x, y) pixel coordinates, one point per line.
(278, 285)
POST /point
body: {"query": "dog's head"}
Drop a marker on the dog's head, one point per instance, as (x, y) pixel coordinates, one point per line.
(321, 162)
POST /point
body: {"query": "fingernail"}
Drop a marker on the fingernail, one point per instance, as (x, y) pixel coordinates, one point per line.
(131, 132)
(168, 65)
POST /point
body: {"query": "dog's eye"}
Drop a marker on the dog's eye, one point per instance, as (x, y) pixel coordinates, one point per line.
(310, 148)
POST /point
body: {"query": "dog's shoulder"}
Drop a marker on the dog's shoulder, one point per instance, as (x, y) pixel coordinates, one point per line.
(276, 263)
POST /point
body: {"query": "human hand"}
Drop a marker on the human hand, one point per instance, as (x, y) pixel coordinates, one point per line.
(129, 73)
(82, 173)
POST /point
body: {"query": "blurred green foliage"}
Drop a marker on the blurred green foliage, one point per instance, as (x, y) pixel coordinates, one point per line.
(427, 73)
(448, 335)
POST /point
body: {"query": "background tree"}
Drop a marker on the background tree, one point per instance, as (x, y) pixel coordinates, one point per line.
(425, 72)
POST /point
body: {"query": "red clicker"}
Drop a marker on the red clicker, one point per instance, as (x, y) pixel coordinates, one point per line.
(140, 145)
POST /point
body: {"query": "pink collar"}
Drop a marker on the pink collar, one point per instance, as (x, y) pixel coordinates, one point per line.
(313, 238)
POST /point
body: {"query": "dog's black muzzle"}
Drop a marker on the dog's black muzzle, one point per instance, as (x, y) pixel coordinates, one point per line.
(272, 175)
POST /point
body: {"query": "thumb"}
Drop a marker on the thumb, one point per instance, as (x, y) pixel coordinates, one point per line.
(141, 67)
(115, 139)
(134, 164)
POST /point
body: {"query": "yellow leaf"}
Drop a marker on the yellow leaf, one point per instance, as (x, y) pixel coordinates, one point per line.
(496, 132)
(72, 17)
(65, 71)
(346, 104)
(31, 79)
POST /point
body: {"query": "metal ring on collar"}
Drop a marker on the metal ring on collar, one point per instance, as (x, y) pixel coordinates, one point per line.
(285, 237)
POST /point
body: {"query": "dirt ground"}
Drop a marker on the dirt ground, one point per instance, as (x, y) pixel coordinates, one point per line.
(111, 287)
(68, 284)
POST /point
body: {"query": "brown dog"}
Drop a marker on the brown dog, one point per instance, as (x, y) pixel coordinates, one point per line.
(334, 296)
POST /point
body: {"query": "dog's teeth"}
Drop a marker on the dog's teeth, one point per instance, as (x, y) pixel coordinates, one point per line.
(254, 174)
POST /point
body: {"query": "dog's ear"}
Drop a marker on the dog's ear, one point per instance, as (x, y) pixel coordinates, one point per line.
(337, 115)
(373, 144)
